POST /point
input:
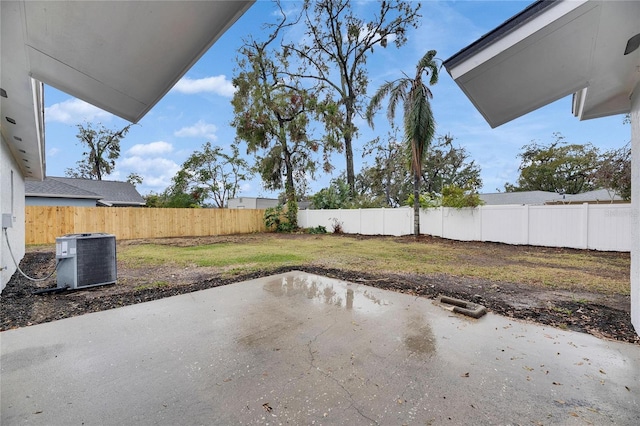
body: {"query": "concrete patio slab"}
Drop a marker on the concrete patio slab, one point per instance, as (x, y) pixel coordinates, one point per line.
(302, 349)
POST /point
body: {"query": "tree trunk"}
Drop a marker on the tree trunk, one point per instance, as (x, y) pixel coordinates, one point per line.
(416, 204)
(289, 187)
(348, 146)
(290, 191)
(351, 177)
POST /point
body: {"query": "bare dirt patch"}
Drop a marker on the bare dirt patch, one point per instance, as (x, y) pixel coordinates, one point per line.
(602, 315)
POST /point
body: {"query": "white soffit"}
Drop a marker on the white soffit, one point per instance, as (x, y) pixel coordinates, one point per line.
(121, 56)
(21, 104)
(549, 51)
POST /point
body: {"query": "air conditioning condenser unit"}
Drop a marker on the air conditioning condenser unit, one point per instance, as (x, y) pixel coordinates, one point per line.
(86, 260)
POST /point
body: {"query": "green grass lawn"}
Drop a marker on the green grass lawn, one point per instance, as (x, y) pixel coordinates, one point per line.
(553, 268)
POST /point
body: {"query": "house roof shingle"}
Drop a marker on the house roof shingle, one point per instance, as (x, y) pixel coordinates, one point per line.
(544, 197)
(56, 189)
(106, 192)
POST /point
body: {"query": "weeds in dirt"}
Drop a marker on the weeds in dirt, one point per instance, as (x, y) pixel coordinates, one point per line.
(155, 284)
(317, 230)
(565, 311)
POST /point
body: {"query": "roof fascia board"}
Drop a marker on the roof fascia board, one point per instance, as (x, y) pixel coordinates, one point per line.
(577, 103)
(488, 38)
(122, 203)
(37, 90)
(513, 31)
(41, 195)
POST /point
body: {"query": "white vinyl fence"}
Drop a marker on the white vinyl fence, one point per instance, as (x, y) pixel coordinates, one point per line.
(604, 227)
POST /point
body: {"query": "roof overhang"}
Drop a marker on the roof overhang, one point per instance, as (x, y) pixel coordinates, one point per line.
(120, 56)
(105, 203)
(548, 51)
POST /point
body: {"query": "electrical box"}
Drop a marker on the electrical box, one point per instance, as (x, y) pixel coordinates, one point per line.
(86, 260)
(7, 220)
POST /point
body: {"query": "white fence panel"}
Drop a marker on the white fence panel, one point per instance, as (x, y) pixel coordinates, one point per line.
(398, 221)
(313, 218)
(609, 227)
(596, 227)
(505, 224)
(361, 221)
(461, 224)
(350, 220)
(372, 221)
(557, 226)
(430, 221)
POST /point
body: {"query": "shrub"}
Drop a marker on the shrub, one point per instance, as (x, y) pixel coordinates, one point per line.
(426, 201)
(317, 230)
(279, 219)
(454, 196)
(336, 196)
(337, 226)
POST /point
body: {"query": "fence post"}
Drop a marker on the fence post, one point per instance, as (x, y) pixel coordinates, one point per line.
(527, 224)
(480, 221)
(585, 224)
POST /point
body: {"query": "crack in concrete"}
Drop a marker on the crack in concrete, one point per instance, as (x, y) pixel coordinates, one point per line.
(329, 376)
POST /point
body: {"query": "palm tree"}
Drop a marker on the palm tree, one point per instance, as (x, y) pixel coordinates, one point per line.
(419, 124)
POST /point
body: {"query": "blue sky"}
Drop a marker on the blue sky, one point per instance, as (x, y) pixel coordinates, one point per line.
(198, 109)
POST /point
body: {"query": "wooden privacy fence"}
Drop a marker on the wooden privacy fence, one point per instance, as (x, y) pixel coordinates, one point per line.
(44, 223)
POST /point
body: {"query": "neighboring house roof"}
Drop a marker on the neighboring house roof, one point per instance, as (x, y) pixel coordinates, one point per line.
(550, 50)
(521, 197)
(105, 192)
(543, 197)
(54, 188)
(596, 196)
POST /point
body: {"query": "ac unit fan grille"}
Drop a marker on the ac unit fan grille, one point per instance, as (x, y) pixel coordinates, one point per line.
(92, 268)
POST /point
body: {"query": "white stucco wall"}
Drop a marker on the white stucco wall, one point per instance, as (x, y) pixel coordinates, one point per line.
(635, 208)
(11, 201)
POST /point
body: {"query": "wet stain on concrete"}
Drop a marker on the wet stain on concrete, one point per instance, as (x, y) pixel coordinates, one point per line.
(418, 337)
(317, 289)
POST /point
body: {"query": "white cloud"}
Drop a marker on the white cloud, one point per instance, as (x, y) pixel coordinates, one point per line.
(150, 149)
(53, 152)
(155, 165)
(218, 85)
(245, 187)
(74, 111)
(148, 161)
(156, 172)
(365, 32)
(200, 129)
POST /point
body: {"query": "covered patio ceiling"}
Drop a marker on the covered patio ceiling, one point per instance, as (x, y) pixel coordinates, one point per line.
(548, 51)
(120, 56)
